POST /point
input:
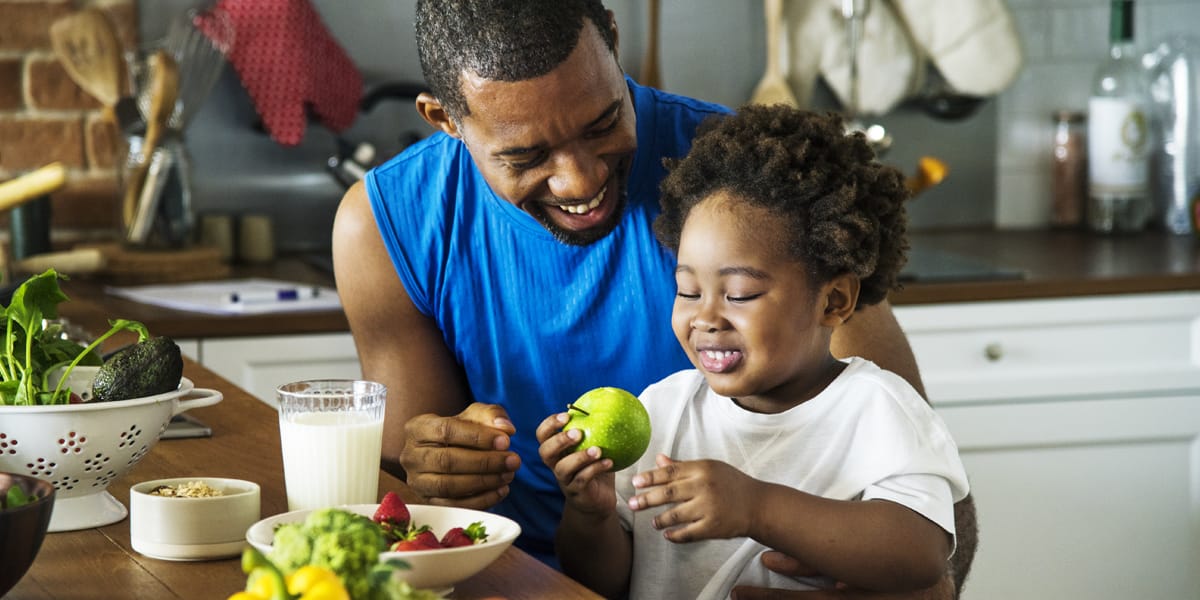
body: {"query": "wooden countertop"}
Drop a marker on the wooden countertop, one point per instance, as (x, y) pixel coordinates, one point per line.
(101, 563)
(1054, 263)
(1060, 264)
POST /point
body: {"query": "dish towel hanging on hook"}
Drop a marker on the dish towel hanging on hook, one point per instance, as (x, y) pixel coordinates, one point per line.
(289, 63)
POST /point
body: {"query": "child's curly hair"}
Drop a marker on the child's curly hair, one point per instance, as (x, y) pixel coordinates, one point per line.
(842, 211)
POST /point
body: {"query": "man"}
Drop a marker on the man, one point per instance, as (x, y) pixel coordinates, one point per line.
(490, 271)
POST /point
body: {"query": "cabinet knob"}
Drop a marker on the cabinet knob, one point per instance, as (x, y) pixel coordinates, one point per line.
(993, 351)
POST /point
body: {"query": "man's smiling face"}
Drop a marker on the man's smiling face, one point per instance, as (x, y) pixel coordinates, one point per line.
(559, 146)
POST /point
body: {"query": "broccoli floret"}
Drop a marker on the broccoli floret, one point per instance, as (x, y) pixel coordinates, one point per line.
(350, 553)
(335, 519)
(291, 548)
(346, 543)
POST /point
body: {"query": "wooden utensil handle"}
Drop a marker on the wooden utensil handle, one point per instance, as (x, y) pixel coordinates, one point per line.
(773, 10)
(650, 74)
(34, 184)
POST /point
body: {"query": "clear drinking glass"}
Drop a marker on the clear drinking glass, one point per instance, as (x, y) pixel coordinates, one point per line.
(331, 431)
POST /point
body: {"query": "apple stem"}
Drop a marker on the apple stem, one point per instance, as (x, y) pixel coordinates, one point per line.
(573, 407)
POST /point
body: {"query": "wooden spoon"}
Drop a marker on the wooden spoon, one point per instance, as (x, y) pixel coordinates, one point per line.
(774, 88)
(87, 46)
(164, 91)
(650, 73)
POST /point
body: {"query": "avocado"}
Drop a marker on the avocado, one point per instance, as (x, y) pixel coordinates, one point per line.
(152, 366)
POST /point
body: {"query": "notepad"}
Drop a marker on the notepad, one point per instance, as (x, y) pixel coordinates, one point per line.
(214, 297)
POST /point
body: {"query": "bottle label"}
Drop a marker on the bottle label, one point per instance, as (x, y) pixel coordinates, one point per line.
(1118, 147)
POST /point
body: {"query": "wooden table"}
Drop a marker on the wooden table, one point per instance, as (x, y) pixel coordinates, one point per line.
(100, 563)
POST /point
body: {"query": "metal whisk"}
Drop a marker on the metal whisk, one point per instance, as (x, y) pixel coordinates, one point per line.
(199, 43)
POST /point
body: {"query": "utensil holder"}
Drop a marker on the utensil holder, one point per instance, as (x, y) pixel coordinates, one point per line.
(163, 215)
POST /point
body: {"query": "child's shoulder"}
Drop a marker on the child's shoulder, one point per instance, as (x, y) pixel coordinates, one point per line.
(686, 380)
(863, 372)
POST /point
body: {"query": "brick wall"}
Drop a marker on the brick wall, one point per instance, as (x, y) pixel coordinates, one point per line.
(46, 117)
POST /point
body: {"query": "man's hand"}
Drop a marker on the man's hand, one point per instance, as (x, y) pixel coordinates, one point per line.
(786, 565)
(462, 460)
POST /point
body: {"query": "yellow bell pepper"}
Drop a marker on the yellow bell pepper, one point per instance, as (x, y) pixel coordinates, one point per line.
(265, 582)
(316, 583)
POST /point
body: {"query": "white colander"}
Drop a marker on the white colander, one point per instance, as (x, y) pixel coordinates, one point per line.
(81, 448)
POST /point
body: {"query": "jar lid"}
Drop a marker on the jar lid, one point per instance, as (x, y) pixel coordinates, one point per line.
(1069, 115)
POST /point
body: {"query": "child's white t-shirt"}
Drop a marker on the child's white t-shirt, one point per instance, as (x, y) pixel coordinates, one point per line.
(869, 435)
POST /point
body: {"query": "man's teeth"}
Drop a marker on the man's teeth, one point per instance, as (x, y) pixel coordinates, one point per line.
(718, 354)
(580, 209)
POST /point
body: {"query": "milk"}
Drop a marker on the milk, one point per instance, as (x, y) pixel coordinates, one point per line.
(331, 458)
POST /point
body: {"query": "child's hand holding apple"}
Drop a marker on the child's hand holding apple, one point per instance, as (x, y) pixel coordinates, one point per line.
(605, 430)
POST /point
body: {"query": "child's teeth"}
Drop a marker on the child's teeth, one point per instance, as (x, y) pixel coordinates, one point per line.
(717, 354)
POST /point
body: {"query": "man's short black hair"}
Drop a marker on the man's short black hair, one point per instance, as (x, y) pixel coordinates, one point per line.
(841, 210)
(500, 40)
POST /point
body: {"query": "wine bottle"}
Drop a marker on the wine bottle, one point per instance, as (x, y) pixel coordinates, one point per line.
(1118, 134)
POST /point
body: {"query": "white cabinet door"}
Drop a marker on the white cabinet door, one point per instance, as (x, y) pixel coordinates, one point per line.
(1091, 499)
(260, 364)
(1078, 421)
(190, 348)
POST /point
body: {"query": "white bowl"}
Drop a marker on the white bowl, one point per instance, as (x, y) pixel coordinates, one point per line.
(81, 448)
(180, 528)
(429, 568)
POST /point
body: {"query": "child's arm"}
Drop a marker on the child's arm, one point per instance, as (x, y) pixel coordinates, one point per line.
(596, 551)
(873, 545)
(591, 545)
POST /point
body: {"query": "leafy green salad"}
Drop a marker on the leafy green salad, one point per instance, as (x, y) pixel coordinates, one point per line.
(33, 348)
(16, 497)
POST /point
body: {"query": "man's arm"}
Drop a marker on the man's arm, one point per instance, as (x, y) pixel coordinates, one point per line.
(448, 450)
(397, 345)
(875, 334)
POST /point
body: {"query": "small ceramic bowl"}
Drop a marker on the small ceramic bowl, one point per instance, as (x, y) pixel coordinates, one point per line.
(192, 528)
(22, 528)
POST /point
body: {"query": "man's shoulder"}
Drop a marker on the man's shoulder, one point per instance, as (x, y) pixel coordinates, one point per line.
(435, 151)
(425, 176)
(671, 102)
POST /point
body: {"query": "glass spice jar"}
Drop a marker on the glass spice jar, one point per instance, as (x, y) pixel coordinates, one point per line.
(1070, 169)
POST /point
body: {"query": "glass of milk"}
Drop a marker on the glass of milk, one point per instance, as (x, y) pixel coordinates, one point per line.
(332, 434)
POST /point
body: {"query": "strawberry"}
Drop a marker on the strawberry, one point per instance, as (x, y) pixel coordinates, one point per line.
(393, 516)
(457, 536)
(421, 539)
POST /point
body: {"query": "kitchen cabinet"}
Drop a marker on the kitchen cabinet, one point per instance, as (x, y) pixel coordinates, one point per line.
(1078, 421)
(259, 364)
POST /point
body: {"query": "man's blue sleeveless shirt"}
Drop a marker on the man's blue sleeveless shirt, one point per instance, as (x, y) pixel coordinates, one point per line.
(535, 322)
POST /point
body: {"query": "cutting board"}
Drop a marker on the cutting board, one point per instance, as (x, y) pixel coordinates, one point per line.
(129, 265)
(121, 265)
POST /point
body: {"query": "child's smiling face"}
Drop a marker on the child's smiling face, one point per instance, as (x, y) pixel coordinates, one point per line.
(745, 311)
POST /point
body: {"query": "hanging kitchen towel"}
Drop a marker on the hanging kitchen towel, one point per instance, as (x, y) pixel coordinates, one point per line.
(973, 44)
(806, 25)
(889, 65)
(288, 62)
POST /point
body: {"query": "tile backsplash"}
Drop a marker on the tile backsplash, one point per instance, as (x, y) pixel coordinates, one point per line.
(1064, 43)
(1000, 171)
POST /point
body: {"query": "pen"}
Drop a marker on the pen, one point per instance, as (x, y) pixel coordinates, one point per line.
(279, 295)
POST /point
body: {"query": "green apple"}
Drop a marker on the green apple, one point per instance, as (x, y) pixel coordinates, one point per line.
(613, 420)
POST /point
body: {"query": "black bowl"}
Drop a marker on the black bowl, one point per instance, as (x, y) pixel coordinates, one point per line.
(22, 529)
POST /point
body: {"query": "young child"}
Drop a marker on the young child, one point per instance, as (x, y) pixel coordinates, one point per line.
(783, 225)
